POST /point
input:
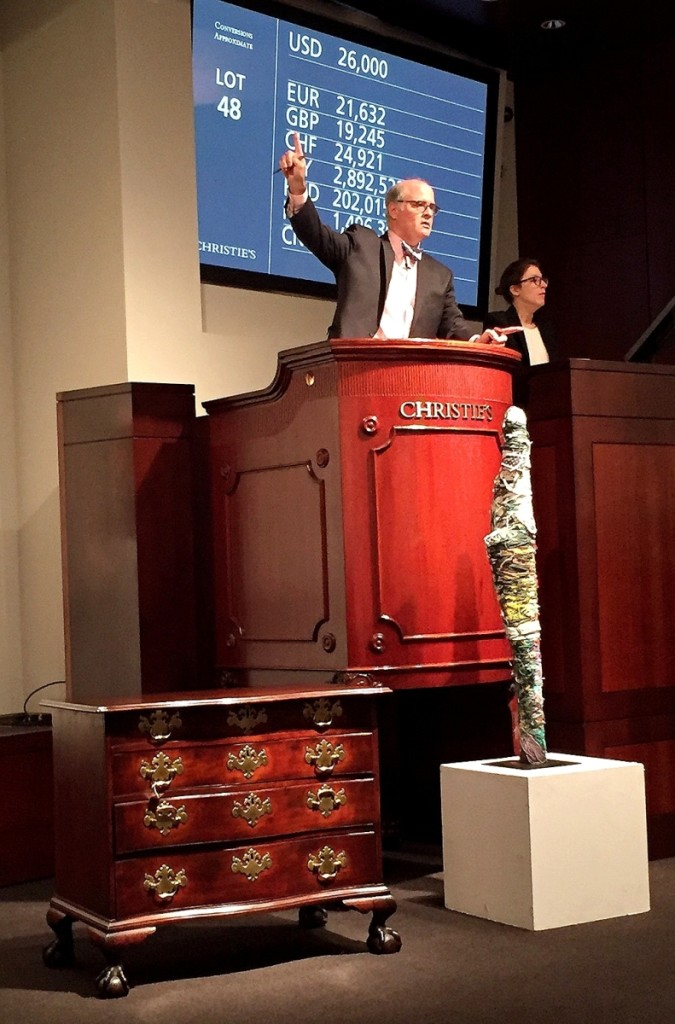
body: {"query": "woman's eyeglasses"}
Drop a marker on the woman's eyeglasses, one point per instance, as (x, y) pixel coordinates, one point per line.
(536, 280)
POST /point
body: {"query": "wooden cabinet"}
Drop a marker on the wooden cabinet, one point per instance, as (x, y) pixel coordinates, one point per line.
(26, 835)
(132, 615)
(214, 804)
(603, 479)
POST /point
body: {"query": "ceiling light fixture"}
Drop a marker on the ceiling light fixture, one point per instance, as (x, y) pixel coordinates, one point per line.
(552, 23)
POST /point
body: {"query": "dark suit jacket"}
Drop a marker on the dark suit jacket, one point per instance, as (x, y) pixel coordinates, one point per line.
(362, 262)
(509, 318)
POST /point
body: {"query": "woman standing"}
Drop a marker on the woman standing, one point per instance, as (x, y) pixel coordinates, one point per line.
(524, 288)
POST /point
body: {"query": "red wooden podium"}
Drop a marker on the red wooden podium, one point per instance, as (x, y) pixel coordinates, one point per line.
(350, 500)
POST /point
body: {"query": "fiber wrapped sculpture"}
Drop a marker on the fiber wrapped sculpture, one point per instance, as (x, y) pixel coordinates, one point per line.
(511, 547)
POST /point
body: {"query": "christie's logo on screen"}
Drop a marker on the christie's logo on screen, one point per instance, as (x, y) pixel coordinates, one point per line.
(228, 250)
(416, 410)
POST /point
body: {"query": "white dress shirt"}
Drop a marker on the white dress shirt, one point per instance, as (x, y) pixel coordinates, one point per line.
(399, 305)
(535, 346)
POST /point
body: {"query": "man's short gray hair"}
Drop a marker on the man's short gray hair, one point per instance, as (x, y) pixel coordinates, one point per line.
(394, 194)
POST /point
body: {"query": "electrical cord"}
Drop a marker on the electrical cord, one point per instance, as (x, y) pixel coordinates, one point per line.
(25, 718)
(55, 682)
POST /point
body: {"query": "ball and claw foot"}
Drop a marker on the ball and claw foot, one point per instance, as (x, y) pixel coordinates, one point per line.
(312, 917)
(61, 951)
(382, 939)
(58, 954)
(111, 983)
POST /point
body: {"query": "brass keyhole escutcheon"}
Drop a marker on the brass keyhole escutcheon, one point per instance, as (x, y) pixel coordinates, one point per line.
(326, 800)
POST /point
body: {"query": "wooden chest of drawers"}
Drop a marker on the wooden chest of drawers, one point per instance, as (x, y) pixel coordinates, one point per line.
(173, 807)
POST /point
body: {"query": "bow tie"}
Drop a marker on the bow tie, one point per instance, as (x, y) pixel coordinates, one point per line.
(410, 253)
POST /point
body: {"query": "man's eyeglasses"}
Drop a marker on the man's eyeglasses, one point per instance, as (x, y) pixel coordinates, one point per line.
(536, 280)
(419, 204)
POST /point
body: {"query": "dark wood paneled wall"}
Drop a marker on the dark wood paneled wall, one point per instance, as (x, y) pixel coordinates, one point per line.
(595, 149)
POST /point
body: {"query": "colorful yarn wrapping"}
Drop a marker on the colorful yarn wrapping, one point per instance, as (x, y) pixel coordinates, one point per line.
(511, 547)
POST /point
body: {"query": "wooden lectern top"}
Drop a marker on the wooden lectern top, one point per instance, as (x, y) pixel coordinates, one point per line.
(345, 350)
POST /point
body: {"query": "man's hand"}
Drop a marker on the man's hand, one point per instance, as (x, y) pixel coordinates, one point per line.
(293, 166)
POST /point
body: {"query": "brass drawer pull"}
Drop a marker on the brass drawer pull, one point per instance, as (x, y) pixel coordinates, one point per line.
(322, 712)
(324, 757)
(161, 771)
(251, 864)
(247, 761)
(247, 718)
(159, 726)
(326, 863)
(252, 809)
(165, 882)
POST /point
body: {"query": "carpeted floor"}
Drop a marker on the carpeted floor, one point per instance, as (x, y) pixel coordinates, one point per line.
(264, 969)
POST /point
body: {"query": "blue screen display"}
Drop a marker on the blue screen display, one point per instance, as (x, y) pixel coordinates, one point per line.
(366, 118)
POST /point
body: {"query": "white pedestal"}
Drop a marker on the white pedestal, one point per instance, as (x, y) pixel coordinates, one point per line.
(545, 847)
